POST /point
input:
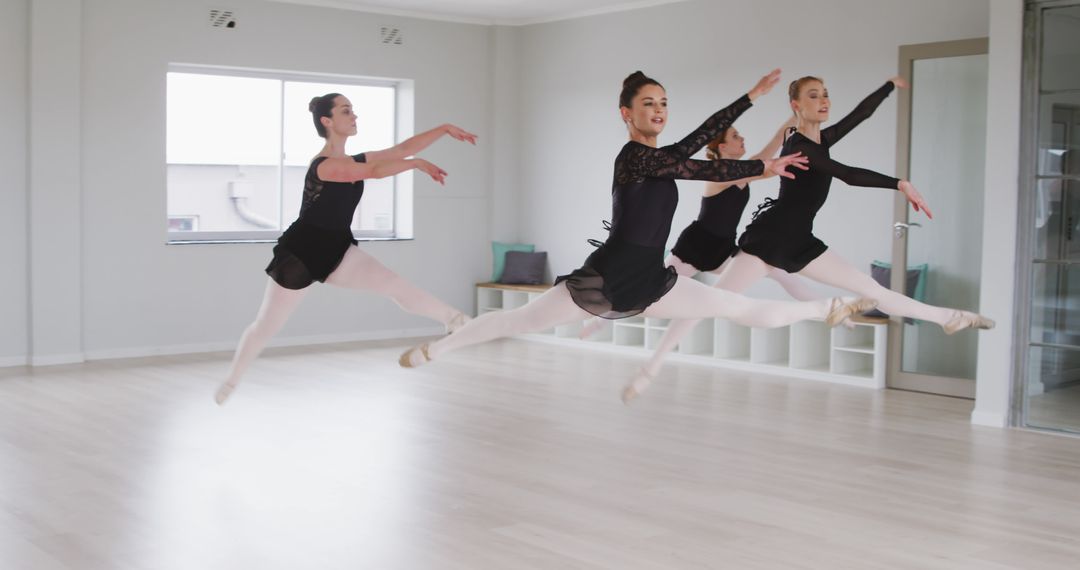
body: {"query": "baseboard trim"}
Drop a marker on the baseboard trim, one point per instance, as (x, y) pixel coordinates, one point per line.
(224, 346)
(989, 419)
(12, 361)
(57, 359)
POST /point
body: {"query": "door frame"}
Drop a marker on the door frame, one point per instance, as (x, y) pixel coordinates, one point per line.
(895, 377)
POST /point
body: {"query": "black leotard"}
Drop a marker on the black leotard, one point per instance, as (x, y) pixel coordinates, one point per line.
(314, 244)
(710, 239)
(626, 273)
(781, 233)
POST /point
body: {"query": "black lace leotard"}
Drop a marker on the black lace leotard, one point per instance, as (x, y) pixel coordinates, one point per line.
(626, 273)
(781, 233)
(710, 239)
(314, 244)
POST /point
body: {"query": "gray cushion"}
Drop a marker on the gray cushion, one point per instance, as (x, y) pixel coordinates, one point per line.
(883, 275)
(524, 268)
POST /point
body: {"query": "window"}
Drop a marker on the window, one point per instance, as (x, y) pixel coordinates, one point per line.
(238, 144)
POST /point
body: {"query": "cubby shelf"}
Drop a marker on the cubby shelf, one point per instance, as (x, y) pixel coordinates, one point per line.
(808, 349)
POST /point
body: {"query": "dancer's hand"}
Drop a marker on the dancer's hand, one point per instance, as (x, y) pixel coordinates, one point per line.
(437, 174)
(765, 84)
(460, 133)
(778, 166)
(899, 82)
(916, 199)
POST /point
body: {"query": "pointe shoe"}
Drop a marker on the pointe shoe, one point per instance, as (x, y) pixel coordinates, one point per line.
(637, 386)
(415, 356)
(457, 322)
(966, 319)
(223, 392)
(841, 310)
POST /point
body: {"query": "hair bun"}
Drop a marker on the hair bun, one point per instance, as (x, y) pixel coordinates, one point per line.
(633, 78)
(311, 105)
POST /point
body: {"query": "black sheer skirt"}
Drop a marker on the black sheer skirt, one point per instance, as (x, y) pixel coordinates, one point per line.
(703, 249)
(620, 279)
(306, 253)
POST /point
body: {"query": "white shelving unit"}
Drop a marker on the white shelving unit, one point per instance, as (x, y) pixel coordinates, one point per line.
(807, 349)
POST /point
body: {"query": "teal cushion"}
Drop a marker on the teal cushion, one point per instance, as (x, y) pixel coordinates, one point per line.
(916, 285)
(498, 256)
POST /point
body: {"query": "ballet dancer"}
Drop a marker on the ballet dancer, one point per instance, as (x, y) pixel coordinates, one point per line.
(626, 275)
(708, 243)
(319, 245)
(781, 233)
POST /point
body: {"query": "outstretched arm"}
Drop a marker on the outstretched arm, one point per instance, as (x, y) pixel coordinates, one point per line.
(642, 161)
(855, 176)
(722, 119)
(346, 169)
(862, 111)
(412, 145)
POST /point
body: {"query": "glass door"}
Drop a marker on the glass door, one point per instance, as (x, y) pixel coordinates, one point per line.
(942, 135)
(1048, 378)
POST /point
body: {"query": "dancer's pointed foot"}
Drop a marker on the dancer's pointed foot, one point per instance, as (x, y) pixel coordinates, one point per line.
(224, 391)
(591, 327)
(457, 322)
(965, 320)
(415, 356)
(844, 308)
(637, 385)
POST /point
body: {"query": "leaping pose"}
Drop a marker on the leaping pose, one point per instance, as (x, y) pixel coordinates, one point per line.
(319, 245)
(781, 234)
(626, 275)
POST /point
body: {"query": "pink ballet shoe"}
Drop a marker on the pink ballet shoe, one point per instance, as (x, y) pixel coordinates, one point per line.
(415, 357)
(841, 309)
(965, 320)
(223, 392)
(638, 384)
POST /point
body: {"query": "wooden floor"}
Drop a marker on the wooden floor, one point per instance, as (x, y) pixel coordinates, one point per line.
(512, 455)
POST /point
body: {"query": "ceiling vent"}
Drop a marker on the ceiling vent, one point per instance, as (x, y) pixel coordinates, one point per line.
(222, 19)
(391, 36)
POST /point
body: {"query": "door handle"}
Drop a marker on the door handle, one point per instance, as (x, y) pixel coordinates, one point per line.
(900, 228)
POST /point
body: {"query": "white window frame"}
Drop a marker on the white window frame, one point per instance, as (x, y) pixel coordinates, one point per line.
(402, 225)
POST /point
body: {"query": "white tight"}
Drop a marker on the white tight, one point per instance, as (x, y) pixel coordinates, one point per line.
(358, 270)
(687, 299)
(796, 287)
(745, 269)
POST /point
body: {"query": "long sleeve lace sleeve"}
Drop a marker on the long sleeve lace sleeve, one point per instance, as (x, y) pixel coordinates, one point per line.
(640, 161)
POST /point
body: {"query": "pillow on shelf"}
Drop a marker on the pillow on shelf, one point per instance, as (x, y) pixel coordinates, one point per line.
(498, 256)
(524, 268)
(915, 287)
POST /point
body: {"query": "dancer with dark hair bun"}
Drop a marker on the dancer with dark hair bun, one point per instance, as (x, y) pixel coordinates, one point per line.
(319, 245)
(626, 275)
(708, 243)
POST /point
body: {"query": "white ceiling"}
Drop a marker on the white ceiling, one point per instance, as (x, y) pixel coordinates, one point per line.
(506, 12)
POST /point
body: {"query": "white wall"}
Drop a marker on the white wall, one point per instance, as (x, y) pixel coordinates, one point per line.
(996, 348)
(14, 49)
(707, 54)
(141, 295)
(505, 141)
